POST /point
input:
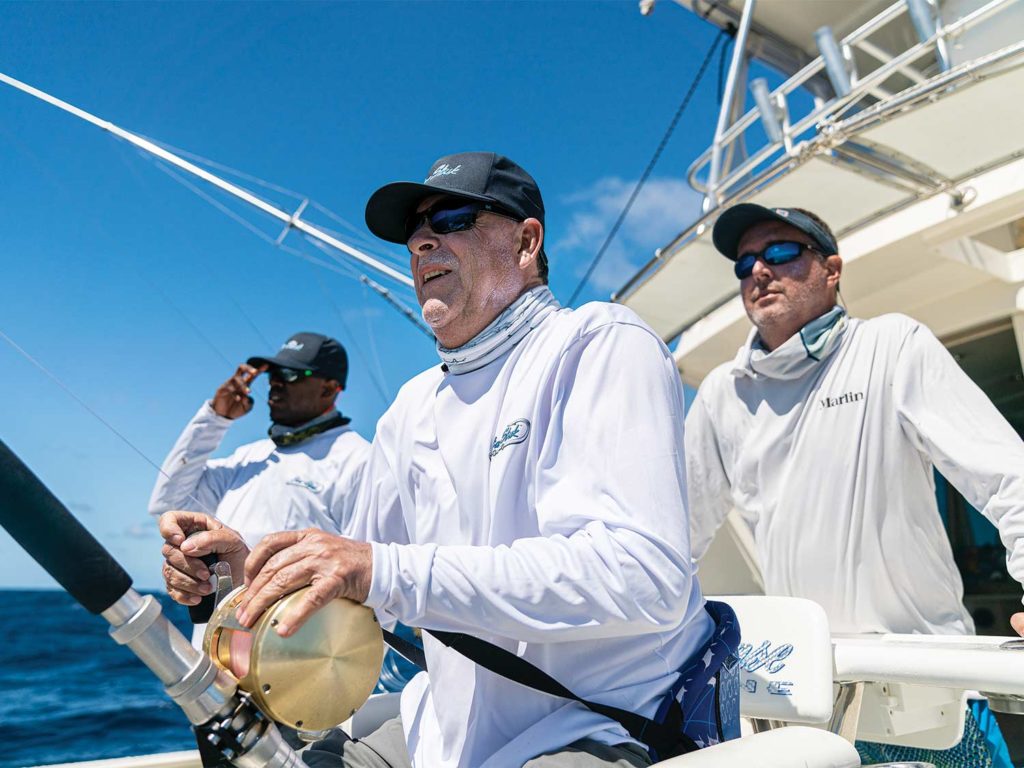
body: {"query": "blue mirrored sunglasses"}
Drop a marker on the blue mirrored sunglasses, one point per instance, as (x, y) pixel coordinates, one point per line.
(447, 216)
(773, 255)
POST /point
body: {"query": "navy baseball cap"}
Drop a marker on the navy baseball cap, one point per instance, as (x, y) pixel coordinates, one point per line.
(314, 352)
(731, 225)
(482, 176)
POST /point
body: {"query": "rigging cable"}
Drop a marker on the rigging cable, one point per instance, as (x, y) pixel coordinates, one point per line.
(100, 227)
(373, 342)
(56, 380)
(380, 290)
(222, 167)
(650, 166)
(251, 322)
(353, 232)
(378, 385)
(344, 267)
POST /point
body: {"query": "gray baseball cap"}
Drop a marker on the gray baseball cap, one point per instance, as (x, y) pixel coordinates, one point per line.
(731, 225)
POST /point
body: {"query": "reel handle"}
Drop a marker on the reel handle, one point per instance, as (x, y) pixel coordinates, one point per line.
(201, 613)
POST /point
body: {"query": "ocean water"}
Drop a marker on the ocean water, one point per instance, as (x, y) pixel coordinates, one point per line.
(68, 692)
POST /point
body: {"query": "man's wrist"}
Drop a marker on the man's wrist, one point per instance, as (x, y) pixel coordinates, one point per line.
(364, 576)
(213, 409)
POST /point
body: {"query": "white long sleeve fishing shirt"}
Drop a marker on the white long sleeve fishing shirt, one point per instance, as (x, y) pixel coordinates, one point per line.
(537, 502)
(262, 488)
(830, 463)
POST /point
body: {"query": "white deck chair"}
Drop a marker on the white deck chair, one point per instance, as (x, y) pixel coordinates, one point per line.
(785, 679)
(790, 658)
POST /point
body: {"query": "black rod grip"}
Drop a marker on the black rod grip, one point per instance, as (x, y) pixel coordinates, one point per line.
(37, 520)
(203, 610)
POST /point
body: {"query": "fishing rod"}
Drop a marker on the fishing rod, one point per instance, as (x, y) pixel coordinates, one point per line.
(225, 718)
(290, 220)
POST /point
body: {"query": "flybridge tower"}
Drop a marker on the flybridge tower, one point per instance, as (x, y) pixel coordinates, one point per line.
(899, 123)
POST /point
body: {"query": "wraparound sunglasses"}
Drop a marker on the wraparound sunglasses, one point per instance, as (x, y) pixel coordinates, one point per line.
(773, 254)
(446, 216)
(288, 375)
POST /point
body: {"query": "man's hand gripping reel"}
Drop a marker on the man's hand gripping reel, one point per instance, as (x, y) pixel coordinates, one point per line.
(310, 681)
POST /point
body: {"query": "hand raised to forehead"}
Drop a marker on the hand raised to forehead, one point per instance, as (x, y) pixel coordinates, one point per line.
(232, 398)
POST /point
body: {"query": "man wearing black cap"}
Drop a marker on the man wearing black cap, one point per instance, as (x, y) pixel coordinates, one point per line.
(528, 491)
(304, 475)
(823, 433)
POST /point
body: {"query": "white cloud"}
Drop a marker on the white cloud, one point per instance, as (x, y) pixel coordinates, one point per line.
(662, 210)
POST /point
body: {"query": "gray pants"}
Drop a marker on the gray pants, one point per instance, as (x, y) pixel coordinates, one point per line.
(385, 748)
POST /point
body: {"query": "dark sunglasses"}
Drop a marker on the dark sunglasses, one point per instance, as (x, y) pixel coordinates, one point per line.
(446, 216)
(288, 375)
(774, 254)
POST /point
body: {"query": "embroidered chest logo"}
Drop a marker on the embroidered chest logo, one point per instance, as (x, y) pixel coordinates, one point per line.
(848, 397)
(516, 432)
(309, 485)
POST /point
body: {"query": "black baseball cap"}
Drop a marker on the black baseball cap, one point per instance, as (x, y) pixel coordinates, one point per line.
(482, 176)
(310, 351)
(736, 220)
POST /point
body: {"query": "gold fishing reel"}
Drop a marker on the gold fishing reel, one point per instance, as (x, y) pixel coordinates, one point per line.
(311, 681)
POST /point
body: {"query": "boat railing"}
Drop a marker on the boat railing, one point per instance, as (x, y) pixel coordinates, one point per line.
(788, 137)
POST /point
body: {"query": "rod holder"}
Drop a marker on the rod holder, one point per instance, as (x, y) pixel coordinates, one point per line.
(835, 62)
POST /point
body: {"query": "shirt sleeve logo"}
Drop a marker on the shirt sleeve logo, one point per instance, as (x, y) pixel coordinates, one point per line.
(516, 432)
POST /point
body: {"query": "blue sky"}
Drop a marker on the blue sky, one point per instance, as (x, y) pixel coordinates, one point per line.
(141, 296)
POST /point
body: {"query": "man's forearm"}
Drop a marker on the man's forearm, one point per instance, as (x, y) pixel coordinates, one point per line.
(595, 583)
(180, 476)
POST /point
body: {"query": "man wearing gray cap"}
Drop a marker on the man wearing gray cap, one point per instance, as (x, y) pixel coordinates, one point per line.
(305, 474)
(823, 433)
(528, 492)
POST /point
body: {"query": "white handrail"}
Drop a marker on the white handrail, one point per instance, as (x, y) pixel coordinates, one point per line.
(835, 107)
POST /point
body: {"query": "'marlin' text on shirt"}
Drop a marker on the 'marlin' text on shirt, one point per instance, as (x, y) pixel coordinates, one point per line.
(849, 397)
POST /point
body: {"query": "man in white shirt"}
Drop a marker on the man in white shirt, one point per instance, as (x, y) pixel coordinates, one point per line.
(529, 491)
(823, 433)
(305, 474)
